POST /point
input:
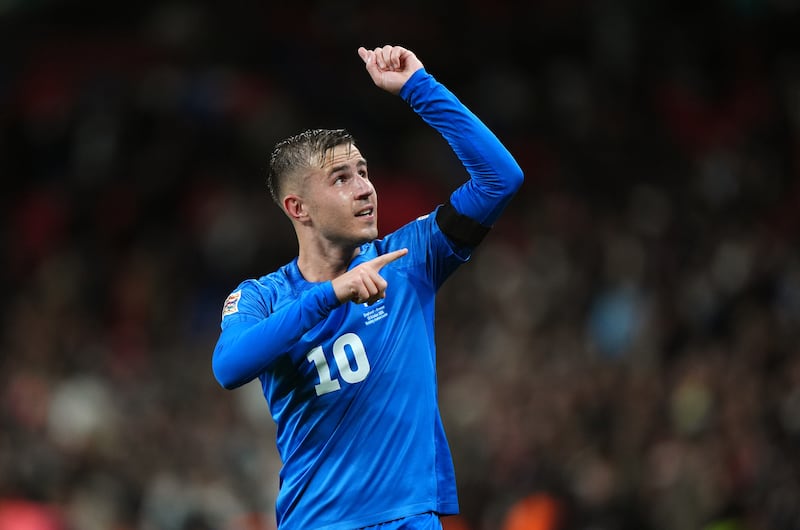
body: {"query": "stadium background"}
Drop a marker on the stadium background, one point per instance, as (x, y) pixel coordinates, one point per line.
(622, 353)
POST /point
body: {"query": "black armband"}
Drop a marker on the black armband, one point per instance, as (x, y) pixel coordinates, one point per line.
(462, 230)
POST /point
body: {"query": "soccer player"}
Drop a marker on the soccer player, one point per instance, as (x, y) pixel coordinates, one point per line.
(342, 337)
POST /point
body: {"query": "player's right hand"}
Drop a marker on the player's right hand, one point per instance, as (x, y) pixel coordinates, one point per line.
(363, 283)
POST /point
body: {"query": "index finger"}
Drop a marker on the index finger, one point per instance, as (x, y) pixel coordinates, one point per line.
(389, 257)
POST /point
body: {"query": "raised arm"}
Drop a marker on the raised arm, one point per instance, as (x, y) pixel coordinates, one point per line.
(495, 175)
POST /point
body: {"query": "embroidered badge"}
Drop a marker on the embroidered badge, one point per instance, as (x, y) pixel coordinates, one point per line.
(231, 305)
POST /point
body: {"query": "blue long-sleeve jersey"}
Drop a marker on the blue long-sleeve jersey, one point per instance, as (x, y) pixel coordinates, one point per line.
(351, 387)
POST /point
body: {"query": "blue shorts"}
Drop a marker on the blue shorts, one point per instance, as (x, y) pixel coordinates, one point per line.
(423, 521)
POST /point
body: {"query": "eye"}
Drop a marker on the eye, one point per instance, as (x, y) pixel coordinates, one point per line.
(362, 173)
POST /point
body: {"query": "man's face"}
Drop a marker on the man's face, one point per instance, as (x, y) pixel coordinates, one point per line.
(341, 200)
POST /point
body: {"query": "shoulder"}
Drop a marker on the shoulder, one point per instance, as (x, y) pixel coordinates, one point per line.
(423, 232)
(423, 238)
(419, 230)
(259, 296)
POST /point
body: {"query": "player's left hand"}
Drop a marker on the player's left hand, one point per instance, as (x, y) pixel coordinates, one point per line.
(390, 66)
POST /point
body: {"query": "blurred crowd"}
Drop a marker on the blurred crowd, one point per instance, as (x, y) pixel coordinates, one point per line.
(620, 353)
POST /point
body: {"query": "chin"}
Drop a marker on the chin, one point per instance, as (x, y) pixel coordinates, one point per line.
(368, 235)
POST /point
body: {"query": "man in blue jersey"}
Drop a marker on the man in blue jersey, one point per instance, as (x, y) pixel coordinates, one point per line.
(341, 339)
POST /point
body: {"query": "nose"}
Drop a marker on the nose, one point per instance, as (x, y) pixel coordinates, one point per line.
(364, 188)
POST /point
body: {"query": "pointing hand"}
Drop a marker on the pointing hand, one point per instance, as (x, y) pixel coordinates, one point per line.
(363, 284)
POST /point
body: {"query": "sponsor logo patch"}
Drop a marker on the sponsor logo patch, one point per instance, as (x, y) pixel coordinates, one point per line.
(231, 305)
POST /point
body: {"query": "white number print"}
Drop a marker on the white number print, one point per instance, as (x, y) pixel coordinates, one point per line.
(350, 373)
(317, 356)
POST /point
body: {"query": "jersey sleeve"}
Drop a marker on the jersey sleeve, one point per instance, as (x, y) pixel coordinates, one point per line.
(258, 326)
(495, 174)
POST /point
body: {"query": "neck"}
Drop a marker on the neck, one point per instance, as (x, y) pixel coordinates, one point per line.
(323, 263)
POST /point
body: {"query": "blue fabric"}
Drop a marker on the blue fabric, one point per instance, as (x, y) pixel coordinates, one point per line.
(425, 521)
(369, 447)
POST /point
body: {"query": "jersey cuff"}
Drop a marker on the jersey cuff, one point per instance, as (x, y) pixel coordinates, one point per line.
(329, 299)
(412, 83)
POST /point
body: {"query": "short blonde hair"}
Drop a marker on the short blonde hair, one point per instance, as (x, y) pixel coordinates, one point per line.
(299, 153)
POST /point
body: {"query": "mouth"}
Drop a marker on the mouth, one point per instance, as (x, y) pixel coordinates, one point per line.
(366, 212)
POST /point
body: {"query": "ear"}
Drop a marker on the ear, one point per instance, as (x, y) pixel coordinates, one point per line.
(295, 208)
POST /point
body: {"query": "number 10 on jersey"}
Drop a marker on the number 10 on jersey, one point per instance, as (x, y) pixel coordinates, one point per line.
(351, 372)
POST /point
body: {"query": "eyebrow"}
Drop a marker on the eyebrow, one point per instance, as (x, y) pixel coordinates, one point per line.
(362, 162)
